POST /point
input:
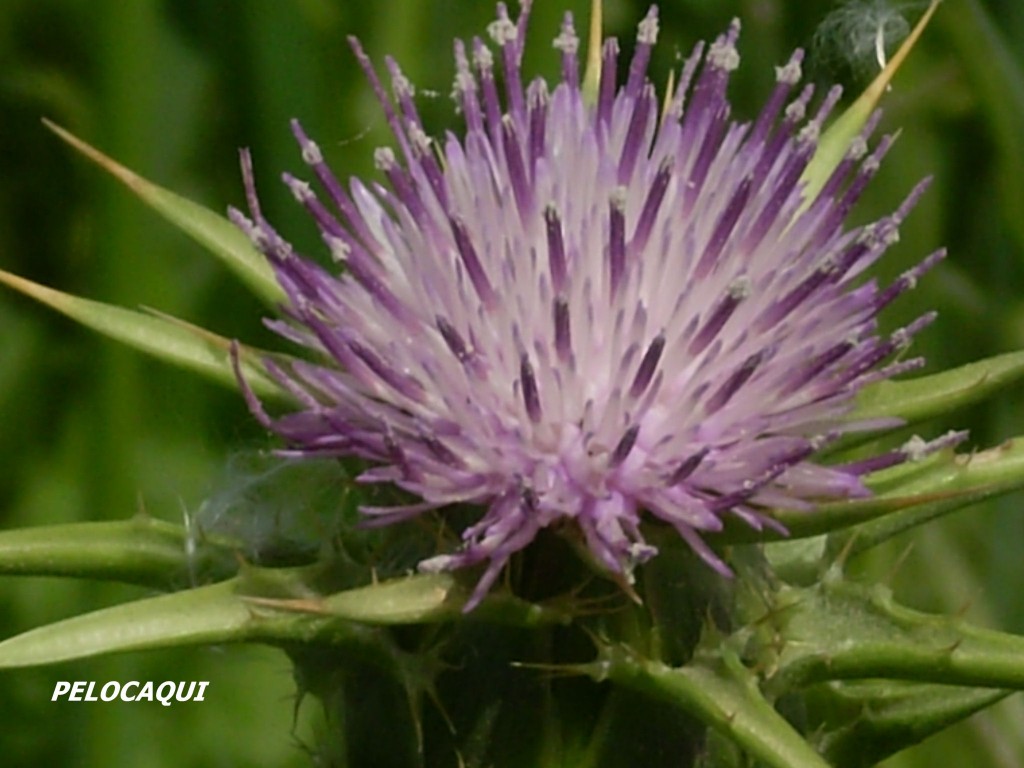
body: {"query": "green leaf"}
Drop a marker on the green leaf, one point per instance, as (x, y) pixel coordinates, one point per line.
(141, 551)
(927, 396)
(210, 614)
(209, 229)
(823, 519)
(842, 631)
(592, 73)
(944, 484)
(836, 141)
(870, 720)
(719, 691)
(161, 336)
(278, 606)
(907, 495)
(418, 599)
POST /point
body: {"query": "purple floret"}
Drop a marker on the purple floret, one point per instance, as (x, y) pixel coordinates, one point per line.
(588, 314)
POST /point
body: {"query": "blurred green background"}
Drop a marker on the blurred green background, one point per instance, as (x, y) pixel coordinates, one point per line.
(172, 88)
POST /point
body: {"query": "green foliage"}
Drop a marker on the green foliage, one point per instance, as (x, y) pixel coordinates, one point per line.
(171, 90)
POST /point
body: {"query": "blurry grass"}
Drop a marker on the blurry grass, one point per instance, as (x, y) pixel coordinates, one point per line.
(173, 88)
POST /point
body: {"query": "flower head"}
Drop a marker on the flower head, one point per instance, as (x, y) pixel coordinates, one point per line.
(585, 311)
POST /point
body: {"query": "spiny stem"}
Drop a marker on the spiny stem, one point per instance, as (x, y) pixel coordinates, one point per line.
(721, 693)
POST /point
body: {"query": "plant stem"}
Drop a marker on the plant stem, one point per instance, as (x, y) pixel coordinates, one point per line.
(721, 693)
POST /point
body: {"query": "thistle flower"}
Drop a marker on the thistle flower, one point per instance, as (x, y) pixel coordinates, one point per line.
(585, 312)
